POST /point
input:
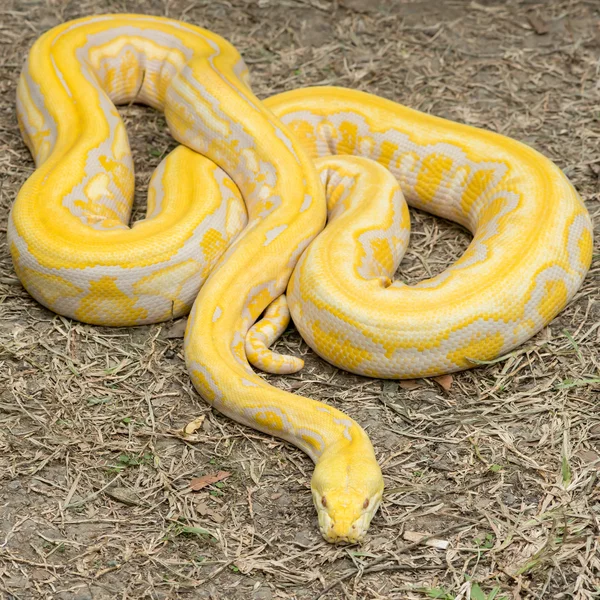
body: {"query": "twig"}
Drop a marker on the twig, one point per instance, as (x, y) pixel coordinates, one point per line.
(372, 568)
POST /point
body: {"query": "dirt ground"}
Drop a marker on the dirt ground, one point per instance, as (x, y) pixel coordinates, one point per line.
(95, 498)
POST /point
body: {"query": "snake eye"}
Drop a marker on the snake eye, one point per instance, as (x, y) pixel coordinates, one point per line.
(324, 502)
(366, 503)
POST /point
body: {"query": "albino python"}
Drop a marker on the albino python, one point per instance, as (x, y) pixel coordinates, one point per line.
(231, 212)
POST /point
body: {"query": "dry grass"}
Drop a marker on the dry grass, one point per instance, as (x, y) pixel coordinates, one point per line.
(95, 499)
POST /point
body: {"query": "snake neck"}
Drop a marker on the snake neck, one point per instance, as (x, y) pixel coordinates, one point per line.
(214, 351)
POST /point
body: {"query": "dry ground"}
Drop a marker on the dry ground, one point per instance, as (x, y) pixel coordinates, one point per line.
(95, 499)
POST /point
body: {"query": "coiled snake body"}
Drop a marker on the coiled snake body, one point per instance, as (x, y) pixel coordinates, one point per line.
(75, 252)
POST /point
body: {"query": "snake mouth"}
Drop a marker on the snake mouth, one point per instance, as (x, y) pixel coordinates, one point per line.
(344, 531)
(333, 538)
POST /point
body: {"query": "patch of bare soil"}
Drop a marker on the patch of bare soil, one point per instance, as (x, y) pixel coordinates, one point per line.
(95, 498)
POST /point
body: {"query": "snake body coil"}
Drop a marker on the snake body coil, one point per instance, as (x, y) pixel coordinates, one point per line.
(202, 245)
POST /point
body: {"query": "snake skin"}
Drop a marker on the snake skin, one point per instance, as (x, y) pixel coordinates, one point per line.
(232, 210)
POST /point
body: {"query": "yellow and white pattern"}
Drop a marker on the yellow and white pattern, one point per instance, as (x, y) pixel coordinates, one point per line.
(231, 211)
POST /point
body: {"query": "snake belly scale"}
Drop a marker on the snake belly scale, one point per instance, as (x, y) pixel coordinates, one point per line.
(232, 211)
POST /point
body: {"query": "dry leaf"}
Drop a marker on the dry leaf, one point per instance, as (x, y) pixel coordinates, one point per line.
(205, 510)
(410, 384)
(194, 425)
(587, 456)
(415, 536)
(215, 516)
(444, 381)
(124, 495)
(201, 482)
(539, 25)
(175, 330)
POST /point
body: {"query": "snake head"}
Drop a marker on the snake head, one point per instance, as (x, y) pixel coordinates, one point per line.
(347, 486)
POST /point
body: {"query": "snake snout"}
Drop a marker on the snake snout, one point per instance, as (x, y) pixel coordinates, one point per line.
(344, 532)
(339, 528)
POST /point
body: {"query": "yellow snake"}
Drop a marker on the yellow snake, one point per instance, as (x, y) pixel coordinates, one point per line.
(75, 251)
